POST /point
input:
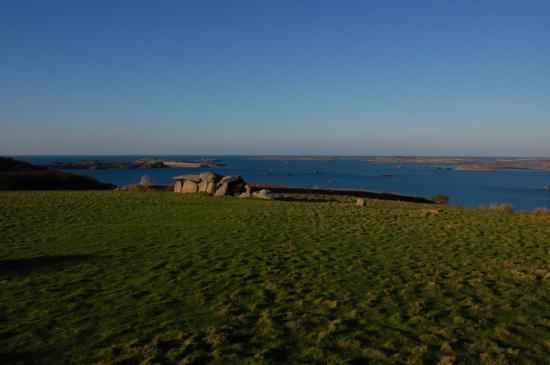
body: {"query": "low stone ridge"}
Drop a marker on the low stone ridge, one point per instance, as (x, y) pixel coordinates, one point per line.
(266, 195)
(355, 193)
(217, 185)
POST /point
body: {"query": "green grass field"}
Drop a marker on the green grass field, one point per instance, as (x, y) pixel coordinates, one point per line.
(117, 277)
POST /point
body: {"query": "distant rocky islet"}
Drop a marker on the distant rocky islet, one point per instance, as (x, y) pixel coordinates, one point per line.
(137, 164)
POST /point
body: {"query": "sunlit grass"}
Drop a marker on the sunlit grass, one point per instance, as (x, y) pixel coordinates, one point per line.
(159, 277)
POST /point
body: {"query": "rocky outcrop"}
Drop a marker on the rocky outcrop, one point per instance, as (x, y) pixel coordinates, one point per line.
(214, 184)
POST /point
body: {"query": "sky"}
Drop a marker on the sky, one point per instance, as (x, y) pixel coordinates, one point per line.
(275, 77)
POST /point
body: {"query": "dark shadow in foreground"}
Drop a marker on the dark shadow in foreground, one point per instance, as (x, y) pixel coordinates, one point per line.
(307, 200)
(26, 266)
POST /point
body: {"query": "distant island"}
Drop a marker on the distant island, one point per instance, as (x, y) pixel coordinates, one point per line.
(137, 164)
(495, 167)
(459, 163)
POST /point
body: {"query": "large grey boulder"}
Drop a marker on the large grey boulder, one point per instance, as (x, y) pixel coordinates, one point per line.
(193, 178)
(210, 177)
(230, 179)
(190, 187)
(177, 186)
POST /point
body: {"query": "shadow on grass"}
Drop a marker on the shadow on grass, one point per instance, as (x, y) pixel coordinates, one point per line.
(307, 200)
(26, 266)
(19, 358)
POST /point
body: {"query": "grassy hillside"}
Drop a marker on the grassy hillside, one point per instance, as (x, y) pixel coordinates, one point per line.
(124, 277)
(20, 175)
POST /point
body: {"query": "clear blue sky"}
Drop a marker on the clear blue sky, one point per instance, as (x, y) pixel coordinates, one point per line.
(271, 77)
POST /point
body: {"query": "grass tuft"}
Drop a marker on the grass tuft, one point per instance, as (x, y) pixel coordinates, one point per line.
(501, 208)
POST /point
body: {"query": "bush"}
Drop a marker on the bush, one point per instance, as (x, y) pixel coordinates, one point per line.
(440, 199)
(502, 208)
(145, 181)
(541, 212)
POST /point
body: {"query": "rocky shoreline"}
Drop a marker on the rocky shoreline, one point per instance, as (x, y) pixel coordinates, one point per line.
(500, 167)
(137, 164)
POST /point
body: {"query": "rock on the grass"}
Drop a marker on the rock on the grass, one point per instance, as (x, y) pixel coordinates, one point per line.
(266, 195)
(230, 185)
(230, 179)
(361, 202)
(190, 187)
(210, 177)
(177, 186)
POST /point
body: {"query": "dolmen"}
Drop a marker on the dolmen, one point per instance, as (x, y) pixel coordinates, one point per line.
(214, 184)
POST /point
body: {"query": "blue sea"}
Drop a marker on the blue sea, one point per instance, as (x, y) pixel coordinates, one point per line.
(523, 189)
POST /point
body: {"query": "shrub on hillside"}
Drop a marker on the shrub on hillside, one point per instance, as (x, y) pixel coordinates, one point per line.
(145, 181)
(502, 208)
(9, 164)
(440, 199)
(541, 212)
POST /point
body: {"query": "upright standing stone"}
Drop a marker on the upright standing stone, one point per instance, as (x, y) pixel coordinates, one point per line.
(222, 190)
(177, 186)
(202, 186)
(189, 187)
(211, 188)
(361, 202)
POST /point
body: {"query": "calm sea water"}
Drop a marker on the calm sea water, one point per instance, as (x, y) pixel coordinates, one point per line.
(466, 188)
